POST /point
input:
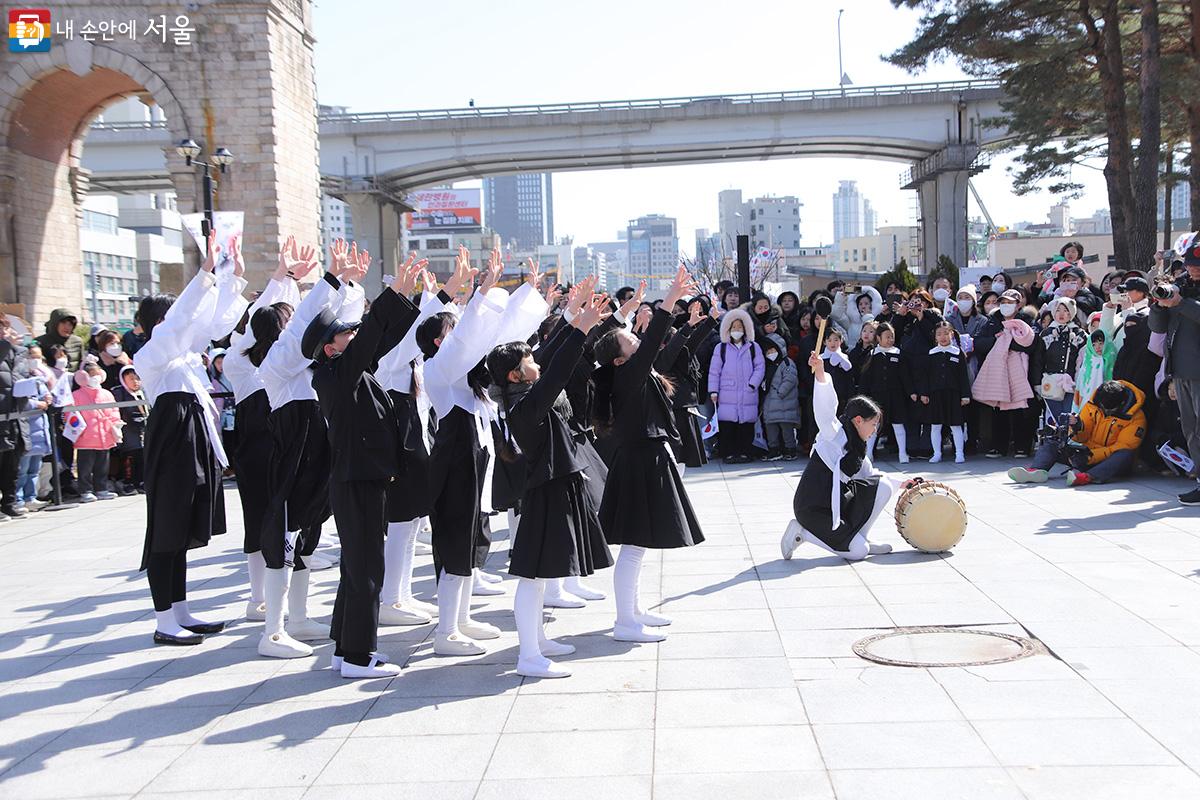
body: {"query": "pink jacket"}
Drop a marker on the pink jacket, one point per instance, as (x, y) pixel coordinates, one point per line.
(98, 435)
(1003, 379)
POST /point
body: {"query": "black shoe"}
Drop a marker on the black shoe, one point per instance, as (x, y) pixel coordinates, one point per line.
(11, 511)
(166, 638)
(1192, 498)
(994, 454)
(206, 627)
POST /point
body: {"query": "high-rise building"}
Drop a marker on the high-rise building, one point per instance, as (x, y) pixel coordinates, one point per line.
(1181, 211)
(336, 221)
(1059, 219)
(774, 222)
(653, 249)
(879, 252)
(615, 258)
(520, 209)
(731, 215)
(847, 211)
(868, 218)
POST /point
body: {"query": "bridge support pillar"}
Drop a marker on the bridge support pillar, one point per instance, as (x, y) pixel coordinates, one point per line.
(378, 228)
(941, 184)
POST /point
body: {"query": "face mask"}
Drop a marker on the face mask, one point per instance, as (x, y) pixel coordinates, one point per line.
(771, 356)
(999, 286)
(941, 294)
(60, 363)
(113, 350)
(965, 306)
(736, 335)
(1008, 309)
(94, 381)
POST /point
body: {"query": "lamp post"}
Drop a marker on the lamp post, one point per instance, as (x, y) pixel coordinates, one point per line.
(221, 158)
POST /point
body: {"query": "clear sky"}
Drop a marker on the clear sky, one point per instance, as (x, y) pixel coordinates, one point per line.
(380, 55)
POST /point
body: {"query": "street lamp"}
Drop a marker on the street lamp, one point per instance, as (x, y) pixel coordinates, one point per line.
(221, 158)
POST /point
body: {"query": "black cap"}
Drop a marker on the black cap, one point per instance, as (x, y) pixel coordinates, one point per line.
(321, 331)
(1135, 284)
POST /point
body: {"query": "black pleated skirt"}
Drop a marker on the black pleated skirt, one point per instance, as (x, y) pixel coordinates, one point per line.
(897, 408)
(810, 504)
(254, 450)
(408, 497)
(298, 479)
(456, 470)
(559, 533)
(185, 503)
(690, 449)
(945, 408)
(595, 471)
(645, 503)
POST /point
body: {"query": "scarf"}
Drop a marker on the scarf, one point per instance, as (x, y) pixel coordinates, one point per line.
(837, 359)
(1095, 370)
(951, 349)
(891, 351)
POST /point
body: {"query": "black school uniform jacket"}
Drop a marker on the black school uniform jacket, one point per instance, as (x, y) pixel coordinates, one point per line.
(888, 374)
(542, 432)
(641, 407)
(581, 388)
(678, 362)
(944, 370)
(363, 431)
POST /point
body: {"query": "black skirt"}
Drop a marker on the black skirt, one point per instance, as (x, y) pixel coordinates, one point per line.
(254, 462)
(456, 471)
(559, 533)
(810, 504)
(185, 503)
(645, 503)
(408, 497)
(945, 408)
(895, 405)
(595, 471)
(298, 479)
(690, 449)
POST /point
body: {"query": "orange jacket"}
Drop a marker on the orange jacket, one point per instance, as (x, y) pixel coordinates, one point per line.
(1104, 435)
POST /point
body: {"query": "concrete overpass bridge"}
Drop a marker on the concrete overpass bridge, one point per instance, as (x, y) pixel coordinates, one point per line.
(373, 160)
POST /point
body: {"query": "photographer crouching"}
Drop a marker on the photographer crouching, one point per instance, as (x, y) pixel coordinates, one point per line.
(1098, 445)
(1175, 311)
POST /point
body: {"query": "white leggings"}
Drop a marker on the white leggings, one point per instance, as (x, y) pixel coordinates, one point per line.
(859, 547)
(626, 583)
(527, 610)
(399, 550)
(454, 602)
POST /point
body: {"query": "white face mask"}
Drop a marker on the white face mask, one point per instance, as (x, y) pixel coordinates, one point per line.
(60, 363)
(1069, 286)
(94, 381)
(1008, 309)
(965, 306)
(999, 286)
(113, 350)
(771, 356)
(941, 294)
(736, 335)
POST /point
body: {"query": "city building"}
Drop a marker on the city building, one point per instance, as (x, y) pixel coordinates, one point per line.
(1013, 252)
(774, 222)
(881, 252)
(809, 257)
(1181, 210)
(520, 209)
(868, 218)
(336, 221)
(848, 212)
(615, 256)
(653, 249)
(731, 218)
(110, 256)
(160, 236)
(1059, 220)
(1100, 222)
(441, 248)
(589, 261)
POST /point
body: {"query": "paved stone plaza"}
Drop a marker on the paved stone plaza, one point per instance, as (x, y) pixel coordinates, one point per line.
(756, 694)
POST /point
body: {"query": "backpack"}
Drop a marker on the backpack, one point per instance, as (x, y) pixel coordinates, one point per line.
(752, 356)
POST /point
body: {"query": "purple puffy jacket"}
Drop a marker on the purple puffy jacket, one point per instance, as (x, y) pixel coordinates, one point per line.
(736, 372)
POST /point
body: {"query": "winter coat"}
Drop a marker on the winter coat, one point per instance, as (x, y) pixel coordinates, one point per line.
(970, 326)
(736, 372)
(72, 344)
(781, 395)
(1062, 345)
(134, 417)
(1003, 380)
(1105, 435)
(10, 430)
(99, 432)
(845, 309)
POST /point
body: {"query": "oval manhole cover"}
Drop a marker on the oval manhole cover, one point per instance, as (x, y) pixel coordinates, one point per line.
(943, 647)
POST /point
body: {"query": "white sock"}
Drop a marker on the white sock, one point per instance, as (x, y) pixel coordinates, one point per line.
(935, 438)
(682, 467)
(513, 520)
(399, 550)
(464, 604)
(959, 433)
(901, 439)
(626, 576)
(275, 591)
(552, 588)
(183, 615)
(256, 566)
(577, 587)
(165, 622)
(449, 599)
(527, 611)
(298, 596)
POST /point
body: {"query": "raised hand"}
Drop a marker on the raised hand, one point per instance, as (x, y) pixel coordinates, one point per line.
(682, 285)
(406, 276)
(696, 316)
(463, 276)
(286, 249)
(235, 251)
(214, 249)
(817, 365)
(594, 311)
(553, 290)
(630, 306)
(357, 264)
(579, 295)
(642, 320)
(338, 254)
(490, 277)
(534, 276)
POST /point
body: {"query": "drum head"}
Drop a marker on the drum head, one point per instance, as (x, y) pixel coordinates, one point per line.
(934, 523)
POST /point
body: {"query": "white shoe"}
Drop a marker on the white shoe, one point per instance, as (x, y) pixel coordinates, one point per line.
(937, 458)
(256, 612)
(904, 458)
(281, 645)
(488, 577)
(336, 661)
(542, 669)
(307, 630)
(481, 589)
(402, 614)
(478, 630)
(549, 647)
(636, 633)
(413, 604)
(422, 549)
(320, 561)
(454, 644)
(960, 459)
(425, 536)
(652, 620)
(578, 589)
(376, 669)
(879, 549)
(792, 538)
(563, 601)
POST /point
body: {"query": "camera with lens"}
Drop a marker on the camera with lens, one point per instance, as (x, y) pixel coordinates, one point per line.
(1070, 452)
(1164, 290)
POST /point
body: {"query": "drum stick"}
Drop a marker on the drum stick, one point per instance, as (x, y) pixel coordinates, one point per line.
(822, 308)
(820, 336)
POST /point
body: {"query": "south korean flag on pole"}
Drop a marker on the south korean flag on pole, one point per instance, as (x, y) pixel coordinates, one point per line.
(73, 425)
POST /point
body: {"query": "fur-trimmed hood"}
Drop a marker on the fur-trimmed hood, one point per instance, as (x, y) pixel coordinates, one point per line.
(727, 321)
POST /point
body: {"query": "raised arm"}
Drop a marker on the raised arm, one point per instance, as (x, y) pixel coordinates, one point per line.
(287, 358)
(825, 399)
(172, 337)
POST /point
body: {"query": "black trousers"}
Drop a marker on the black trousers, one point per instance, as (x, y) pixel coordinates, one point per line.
(167, 574)
(737, 439)
(360, 510)
(93, 470)
(10, 460)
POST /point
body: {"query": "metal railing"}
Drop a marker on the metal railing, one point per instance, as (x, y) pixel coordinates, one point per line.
(142, 125)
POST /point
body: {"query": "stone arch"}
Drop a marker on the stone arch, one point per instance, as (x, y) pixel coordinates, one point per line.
(47, 102)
